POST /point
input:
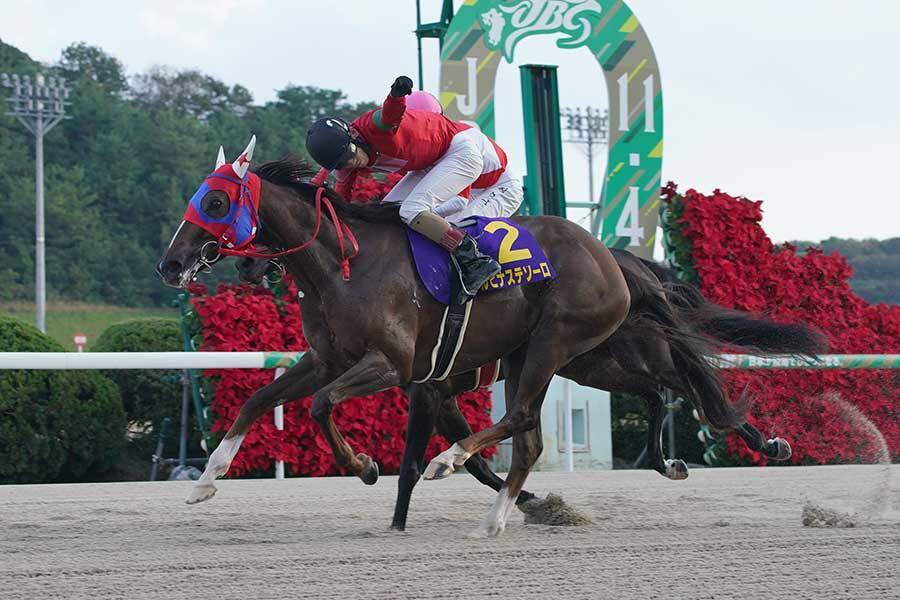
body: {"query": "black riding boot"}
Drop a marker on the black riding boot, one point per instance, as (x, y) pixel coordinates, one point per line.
(474, 268)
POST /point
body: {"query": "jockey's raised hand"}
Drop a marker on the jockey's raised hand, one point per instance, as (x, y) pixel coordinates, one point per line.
(402, 86)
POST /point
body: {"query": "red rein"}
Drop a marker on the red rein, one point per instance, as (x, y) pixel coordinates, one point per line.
(340, 228)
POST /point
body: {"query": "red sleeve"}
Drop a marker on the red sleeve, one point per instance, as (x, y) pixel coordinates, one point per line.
(392, 111)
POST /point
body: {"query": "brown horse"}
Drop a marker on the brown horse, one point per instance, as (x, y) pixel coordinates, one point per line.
(377, 329)
(663, 343)
(669, 323)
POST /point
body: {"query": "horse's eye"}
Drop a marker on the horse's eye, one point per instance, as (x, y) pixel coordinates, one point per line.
(215, 205)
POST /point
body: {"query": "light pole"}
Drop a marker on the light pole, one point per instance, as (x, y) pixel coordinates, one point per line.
(590, 128)
(39, 104)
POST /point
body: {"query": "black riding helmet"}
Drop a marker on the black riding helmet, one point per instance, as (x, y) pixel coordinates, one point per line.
(329, 141)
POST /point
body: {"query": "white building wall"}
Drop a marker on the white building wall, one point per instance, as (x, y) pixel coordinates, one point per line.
(591, 426)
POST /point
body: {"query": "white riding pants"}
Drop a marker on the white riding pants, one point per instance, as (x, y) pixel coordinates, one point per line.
(500, 200)
(430, 189)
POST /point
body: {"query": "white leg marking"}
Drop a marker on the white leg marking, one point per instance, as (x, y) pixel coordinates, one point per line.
(783, 447)
(446, 462)
(676, 470)
(216, 466)
(495, 522)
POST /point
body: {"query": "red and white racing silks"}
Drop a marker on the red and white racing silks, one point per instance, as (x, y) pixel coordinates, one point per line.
(404, 140)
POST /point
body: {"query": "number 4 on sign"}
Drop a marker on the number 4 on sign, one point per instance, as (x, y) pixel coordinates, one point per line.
(627, 225)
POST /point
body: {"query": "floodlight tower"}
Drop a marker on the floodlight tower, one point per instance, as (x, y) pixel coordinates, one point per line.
(589, 128)
(38, 103)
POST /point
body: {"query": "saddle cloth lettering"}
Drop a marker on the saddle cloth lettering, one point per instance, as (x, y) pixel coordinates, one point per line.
(521, 258)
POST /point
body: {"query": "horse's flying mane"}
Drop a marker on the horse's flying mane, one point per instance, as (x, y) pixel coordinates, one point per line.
(295, 172)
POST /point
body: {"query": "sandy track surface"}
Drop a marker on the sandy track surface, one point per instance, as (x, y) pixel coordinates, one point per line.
(725, 533)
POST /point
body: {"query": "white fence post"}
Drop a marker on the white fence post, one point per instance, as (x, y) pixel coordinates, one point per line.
(567, 426)
(279, 425)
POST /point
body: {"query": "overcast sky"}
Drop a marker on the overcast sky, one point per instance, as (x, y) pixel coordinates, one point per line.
(796, 103)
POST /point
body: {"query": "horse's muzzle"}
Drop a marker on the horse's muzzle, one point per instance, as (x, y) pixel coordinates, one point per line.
(170, 271)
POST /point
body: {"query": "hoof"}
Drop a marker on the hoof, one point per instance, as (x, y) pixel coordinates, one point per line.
(369, 473)
(778, 449)
(438, 470)
(676, 469)
(446, 462)
(201, 492)
(490, 530)
(399, 527)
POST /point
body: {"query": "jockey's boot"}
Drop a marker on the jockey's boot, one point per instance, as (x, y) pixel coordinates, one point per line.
(474, 268)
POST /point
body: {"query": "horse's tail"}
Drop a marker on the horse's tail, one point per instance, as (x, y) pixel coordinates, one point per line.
(690, 352)
(737, 328)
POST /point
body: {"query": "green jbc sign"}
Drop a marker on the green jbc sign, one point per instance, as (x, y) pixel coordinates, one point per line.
(484, 32)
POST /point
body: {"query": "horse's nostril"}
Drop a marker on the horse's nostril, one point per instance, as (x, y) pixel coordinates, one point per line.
(169, 268)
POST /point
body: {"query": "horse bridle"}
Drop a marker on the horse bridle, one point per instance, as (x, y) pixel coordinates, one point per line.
(340, 228)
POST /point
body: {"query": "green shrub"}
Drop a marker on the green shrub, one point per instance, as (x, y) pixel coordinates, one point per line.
(148, 395)
(55, 426)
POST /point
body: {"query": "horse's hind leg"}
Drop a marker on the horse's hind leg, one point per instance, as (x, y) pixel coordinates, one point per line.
(523, 411)
(775, 448)
(672, 468)
(373, 373)
(527, 448)
(297, 382)
(480, 470)
(453, 425)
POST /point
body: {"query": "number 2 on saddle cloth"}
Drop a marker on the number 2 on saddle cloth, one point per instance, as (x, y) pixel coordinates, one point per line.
(522, 262)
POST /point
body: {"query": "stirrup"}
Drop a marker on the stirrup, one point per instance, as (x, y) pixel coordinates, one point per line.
(459, 292)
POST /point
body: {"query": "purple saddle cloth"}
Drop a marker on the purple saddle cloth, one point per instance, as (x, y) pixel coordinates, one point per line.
(509, 243)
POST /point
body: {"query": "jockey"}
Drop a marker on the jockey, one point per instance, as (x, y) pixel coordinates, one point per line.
(499, 200)
(442, 162)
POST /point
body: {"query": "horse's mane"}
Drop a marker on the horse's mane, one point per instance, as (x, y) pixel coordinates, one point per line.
(295, 172)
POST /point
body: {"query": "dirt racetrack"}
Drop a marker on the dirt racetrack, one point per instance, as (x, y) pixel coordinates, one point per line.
(724, 533)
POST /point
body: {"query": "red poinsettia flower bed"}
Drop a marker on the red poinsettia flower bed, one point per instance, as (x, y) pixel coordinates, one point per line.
(367, 188)
(739, 267)
(253, 318)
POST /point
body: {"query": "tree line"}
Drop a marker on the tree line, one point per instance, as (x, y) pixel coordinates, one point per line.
(876, 266)
(119, 172)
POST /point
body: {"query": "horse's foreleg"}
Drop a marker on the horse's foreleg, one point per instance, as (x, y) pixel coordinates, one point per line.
(297, 382)
(423, 401)
(373, 373)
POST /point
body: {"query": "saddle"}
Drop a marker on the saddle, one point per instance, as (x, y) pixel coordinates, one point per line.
(522, 262)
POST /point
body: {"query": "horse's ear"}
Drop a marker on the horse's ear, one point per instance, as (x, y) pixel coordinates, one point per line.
(220, 160)
(242, 163)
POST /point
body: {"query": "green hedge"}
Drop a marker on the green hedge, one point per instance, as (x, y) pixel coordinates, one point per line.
(55, 426)
(148, 395)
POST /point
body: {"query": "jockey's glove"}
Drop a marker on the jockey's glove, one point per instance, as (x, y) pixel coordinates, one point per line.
(402, 86)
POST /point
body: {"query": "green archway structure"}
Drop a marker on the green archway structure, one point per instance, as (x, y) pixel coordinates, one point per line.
(484, 32)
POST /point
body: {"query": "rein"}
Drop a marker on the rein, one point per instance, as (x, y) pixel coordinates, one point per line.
(340, 228)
